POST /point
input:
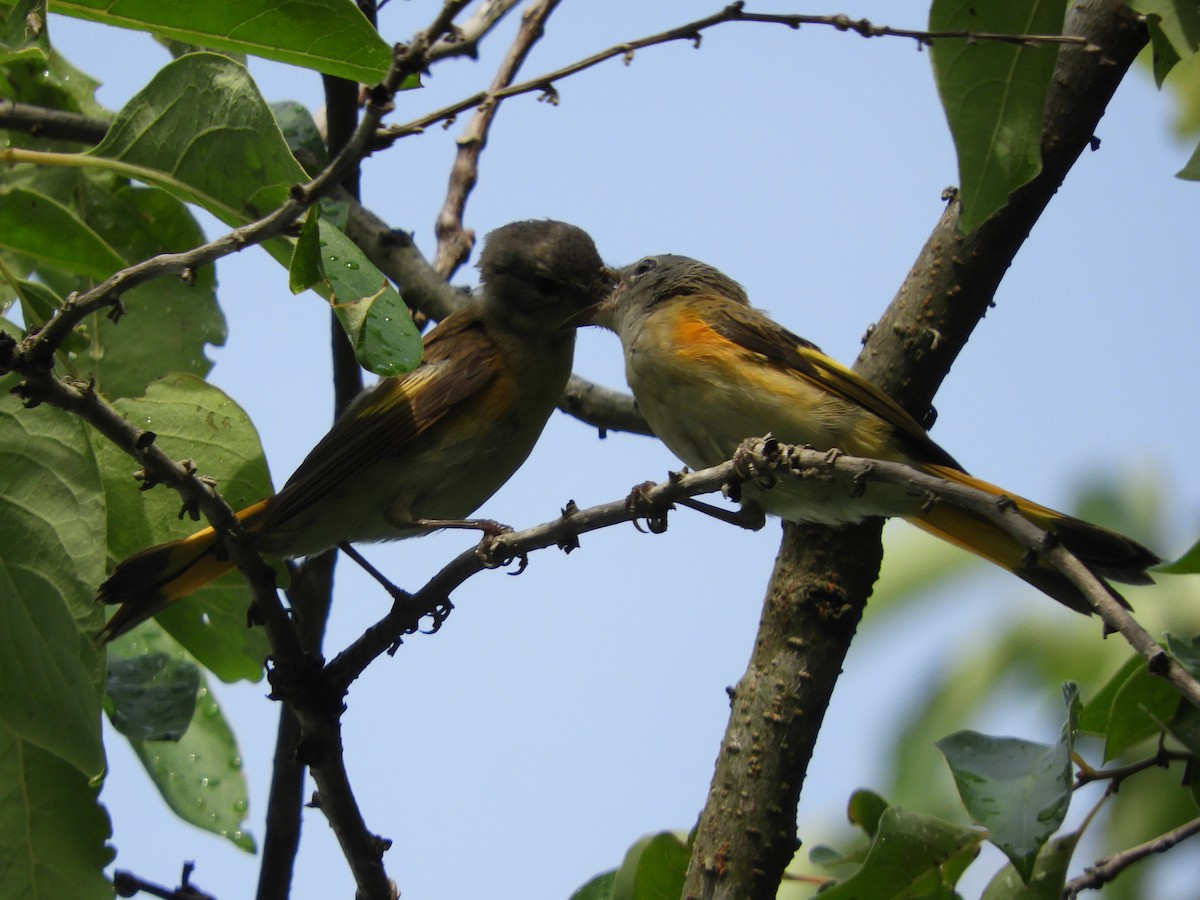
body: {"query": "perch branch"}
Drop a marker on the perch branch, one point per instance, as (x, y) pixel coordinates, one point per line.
(1106, 869)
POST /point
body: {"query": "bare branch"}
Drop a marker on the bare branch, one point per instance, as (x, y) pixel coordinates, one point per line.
(691, 32)
(464, 40)
(756, 458)
(1117, 774)
(126, 884)
(1108, 868)
(454, 241)
(51, 123)
(606, 409)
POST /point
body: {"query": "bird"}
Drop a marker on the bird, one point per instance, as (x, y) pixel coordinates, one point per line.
(418, 451)
(708, 370)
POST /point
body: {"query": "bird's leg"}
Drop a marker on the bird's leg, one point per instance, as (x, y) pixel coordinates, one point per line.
(397, 594)
(489, 527)
(749, 515)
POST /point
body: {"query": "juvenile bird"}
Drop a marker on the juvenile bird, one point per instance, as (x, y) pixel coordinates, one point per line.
(418, 450)
(708, 370)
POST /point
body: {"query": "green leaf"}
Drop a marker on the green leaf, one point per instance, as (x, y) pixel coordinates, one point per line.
(201, 130)
(1174, 27)
(1096, 713)
(171, 321)
(306, 268)
(993, 94)
(911, 855)
(32, 72)
(599, 888)
(826, 856)
(152, 696)
(331, 36)
(52, 234)
(653, 868)
(38, 304)
(1189, 563)
(1130, 708)
(199, 774)
(192, 419)
(302, 135)
(52, 522)
(53, 831)
(1186, 651)
(1185, 728)
(1049, 874)
(865, 810)
(1018, 790)
(379, 325)
(23, 32)
(1164, 56)
(1191, 172)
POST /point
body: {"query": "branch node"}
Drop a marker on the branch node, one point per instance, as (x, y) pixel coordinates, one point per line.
(117, 310)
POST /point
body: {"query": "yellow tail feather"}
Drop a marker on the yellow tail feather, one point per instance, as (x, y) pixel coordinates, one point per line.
(152, 579)
(1107, 554)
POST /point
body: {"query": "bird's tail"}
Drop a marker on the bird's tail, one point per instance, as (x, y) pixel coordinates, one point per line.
(1109, 555)
(152, 579)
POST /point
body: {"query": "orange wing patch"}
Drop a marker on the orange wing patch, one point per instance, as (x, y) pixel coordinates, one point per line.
(693, 338)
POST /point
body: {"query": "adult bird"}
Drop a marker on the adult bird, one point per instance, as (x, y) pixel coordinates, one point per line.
(418, 451)
(708, 370)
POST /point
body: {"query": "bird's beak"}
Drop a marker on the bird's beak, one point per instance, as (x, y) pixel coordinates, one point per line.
(601, 312)
(603, 288)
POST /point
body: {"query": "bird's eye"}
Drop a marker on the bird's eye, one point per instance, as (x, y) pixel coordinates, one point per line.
(546, 285)
(646, 265)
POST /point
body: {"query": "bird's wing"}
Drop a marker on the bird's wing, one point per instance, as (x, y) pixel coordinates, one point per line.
(755, 331)
(386, 420)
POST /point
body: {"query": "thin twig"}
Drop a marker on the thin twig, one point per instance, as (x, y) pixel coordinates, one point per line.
(692, 32)
(127, 884)
(455, 241)
(464, 40)
(1109, 867)
(1117, 774)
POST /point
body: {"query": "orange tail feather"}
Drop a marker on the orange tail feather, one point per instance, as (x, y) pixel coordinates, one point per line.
(1106, 553)
(152, 579)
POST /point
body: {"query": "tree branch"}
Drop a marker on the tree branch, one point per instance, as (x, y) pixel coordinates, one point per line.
(747, 831)
(1108, 868)
(692, 32)
(464, 40)
(761, 458)
(311, 593)
(55, 124)
(454, 241)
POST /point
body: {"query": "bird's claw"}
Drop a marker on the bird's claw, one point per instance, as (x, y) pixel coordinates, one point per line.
(640, 506)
